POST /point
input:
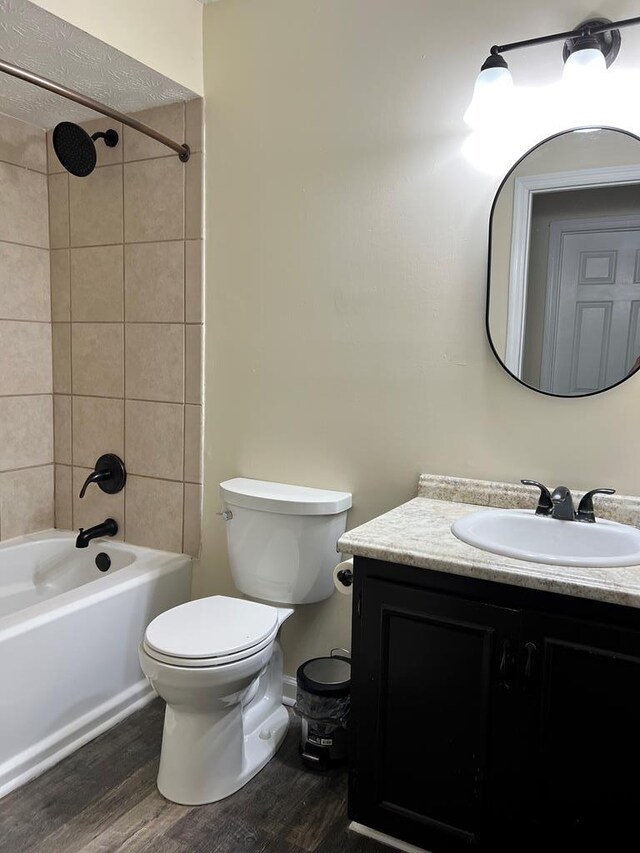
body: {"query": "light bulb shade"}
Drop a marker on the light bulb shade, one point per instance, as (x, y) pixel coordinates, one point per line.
(492, 97)
(584, 66)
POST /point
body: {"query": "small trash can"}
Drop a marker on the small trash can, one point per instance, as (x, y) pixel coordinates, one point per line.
(322, 702)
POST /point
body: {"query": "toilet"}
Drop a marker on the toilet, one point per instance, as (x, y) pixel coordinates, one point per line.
(216, 661)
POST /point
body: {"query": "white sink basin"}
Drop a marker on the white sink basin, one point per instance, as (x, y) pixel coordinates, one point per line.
(526, 536)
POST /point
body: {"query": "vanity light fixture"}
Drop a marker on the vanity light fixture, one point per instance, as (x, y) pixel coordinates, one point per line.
(588, 51)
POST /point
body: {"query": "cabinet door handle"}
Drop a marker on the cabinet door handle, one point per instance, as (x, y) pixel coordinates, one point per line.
(531, 651)
(506, 661)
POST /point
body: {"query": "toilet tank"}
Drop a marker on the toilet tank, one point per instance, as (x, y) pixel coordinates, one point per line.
(282, 539)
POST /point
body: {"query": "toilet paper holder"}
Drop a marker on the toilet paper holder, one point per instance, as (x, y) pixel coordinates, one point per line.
(345, 576)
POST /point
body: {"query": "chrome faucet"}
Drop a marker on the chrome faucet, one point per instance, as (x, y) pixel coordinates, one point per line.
(559, 504)
(109, 527)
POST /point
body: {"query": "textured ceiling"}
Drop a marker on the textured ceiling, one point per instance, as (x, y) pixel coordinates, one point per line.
(40, 42)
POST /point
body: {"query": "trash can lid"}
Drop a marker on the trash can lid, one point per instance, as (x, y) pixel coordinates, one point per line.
(328, 676)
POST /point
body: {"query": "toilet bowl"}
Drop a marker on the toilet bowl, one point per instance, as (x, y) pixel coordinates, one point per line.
(217, 665)
(216, 661)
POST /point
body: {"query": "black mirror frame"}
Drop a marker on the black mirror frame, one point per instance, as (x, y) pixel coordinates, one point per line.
(488, 301)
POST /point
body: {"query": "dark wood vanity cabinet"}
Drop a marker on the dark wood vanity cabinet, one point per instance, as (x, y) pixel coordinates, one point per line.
(489, 717)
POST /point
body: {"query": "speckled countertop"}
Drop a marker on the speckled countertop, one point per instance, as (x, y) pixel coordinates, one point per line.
(418, 533)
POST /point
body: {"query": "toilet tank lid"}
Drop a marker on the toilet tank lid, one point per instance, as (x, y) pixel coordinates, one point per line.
(280, 497)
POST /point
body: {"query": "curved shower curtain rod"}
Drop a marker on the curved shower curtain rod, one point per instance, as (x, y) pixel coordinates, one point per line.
(182, 150)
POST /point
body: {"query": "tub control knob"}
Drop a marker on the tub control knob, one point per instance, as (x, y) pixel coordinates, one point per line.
(109, 474)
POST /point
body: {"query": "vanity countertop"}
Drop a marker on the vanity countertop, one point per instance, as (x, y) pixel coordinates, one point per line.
(418, 533)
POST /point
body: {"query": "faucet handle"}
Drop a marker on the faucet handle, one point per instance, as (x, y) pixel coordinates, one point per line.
(110, 474)
(585, 507)
(94, 477)
(545, 504)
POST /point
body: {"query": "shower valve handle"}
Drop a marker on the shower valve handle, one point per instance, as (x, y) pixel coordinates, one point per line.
(110, 475)
(96, 477)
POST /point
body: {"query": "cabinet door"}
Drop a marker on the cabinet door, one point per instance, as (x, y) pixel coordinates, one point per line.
(434, 703)
(586, 696)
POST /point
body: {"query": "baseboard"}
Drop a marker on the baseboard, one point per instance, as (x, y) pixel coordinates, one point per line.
(395, 843)
(288, 690)
(52, 749)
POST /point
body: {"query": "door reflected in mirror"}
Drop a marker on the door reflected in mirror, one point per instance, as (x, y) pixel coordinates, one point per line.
(563, 301)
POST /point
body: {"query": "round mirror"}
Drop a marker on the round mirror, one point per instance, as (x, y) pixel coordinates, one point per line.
(563, 295)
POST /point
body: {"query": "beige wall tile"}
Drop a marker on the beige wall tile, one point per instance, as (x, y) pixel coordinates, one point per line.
(193, 197)
(63, 497)
(96, 505)
(24, 216)
(25, 293)
(155, 362)
(193, 364)
(60, 286)
(154, 513)
(61, 346)
(22, 144)
(97, 284)
(59, 210)
(26, 501)
(194, 124)
(154, 200)
(25, 356)
(105, 156)
(62, 429)
(26, 426)
(168, 119)
(95, 206)
(98, 359)
(155, 439)
(193, 281)
(154, 282)
(192, 443)
(192, 519)
(98, 427)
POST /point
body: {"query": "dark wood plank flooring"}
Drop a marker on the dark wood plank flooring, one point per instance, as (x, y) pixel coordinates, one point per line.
(103, 798)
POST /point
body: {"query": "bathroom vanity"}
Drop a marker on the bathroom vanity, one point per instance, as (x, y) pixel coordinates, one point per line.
(495, 702)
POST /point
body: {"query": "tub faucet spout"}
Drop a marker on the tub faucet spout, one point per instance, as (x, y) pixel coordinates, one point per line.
(109, 527)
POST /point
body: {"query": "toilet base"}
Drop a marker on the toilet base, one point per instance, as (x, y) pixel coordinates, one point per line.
(211, 749)
(257, 753)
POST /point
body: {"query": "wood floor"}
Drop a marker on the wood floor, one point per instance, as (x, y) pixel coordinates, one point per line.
(103, 798)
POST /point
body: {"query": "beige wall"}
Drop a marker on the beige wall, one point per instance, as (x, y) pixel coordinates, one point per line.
(166, 35)
(126, 268)
(26, 420)
(347, 250)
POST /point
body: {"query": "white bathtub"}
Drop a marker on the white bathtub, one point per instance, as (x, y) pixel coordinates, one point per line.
(69, 637)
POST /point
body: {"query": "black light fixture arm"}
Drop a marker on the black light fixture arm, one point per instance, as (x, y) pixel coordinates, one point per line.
(182, 149)
(589, 28)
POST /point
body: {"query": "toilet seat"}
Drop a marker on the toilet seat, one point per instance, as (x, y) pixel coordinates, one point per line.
(211, 632)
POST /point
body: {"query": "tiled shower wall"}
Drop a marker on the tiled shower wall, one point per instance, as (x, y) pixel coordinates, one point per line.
(126, 302)
(26, 420)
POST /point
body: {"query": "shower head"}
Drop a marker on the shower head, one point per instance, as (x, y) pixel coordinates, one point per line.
(76, 150)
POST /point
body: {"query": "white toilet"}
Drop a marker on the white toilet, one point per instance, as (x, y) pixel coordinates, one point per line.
(216, 661)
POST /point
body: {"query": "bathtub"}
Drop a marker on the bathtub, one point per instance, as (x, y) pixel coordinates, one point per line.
(69, 637)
